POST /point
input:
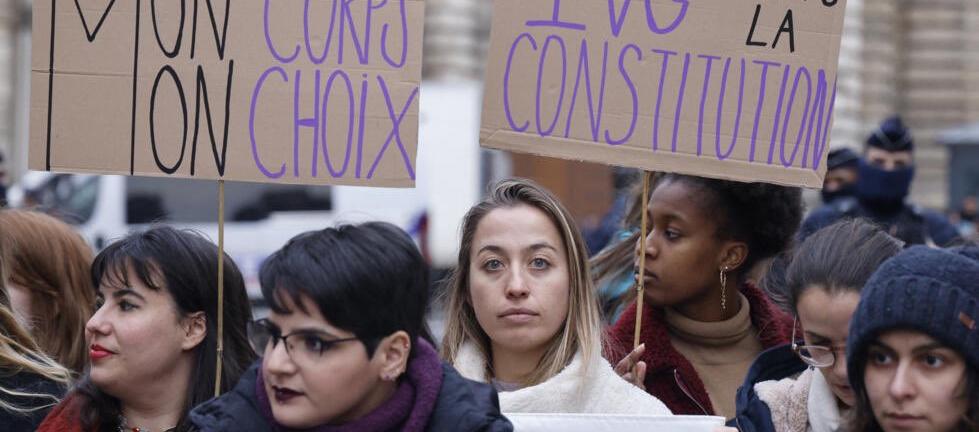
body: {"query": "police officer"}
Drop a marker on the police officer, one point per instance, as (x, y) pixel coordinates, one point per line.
(885, 174)
(841, 175)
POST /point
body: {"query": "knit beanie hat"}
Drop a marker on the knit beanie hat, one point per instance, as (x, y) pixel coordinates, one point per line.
(891, 136)
(934, 291)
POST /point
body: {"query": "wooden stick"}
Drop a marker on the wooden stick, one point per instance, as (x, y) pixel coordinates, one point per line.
(640, 283)
(220, 356)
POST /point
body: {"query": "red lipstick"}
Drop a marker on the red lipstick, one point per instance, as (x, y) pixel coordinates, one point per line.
(98, 352)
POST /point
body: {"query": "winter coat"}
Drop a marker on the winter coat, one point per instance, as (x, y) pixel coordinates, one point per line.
(669, 375)
(27, 383)
(64, 417)
(462, 405)
(754, 414)
(600, 391)
(782, 394)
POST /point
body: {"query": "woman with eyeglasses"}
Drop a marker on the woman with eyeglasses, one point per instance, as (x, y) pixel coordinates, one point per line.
(345, 347)
(803, 386)
(153, 338)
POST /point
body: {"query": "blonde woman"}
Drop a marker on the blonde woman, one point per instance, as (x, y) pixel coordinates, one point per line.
(30, 382)
(522, 313)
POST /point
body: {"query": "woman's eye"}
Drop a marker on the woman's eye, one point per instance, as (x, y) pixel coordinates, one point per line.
(933, 361)
(314, 344)
(126, 306)
(880, 358)
(540, 263)
(99, 302)
(671, 234)
(493, 264)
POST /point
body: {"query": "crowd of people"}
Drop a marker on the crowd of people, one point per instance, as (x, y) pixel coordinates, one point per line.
(861, 318)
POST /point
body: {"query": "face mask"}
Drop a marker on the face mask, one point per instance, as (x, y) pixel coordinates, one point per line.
(846, 190)
(878, 187)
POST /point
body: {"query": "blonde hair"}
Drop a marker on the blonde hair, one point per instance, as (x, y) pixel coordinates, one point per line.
(20, 354)
(582, 329)
(50, 259)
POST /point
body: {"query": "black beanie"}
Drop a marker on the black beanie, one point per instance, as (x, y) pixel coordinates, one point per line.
(934, 291)
(891, 136)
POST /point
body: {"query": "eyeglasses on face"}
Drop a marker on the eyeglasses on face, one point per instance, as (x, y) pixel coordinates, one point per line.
(304, 346)
(817, 355)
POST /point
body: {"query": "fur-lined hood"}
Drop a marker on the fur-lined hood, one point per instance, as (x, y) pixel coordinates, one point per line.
(803, 404)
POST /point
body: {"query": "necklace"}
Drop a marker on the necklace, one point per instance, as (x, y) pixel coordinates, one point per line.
(124, 427)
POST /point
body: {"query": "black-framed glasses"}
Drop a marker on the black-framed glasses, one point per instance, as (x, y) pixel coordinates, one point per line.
(816, 355)
(304, 347)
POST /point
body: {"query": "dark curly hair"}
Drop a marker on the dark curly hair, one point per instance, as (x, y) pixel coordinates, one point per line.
(764, 216)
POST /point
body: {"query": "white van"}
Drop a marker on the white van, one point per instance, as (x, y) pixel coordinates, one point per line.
(259, 218)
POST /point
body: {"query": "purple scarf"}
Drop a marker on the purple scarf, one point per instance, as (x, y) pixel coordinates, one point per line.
(408, 410)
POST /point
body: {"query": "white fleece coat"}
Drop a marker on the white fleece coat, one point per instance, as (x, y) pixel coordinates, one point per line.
(802, 404)
(602, 391)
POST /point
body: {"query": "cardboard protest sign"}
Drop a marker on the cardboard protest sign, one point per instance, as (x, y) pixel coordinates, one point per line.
(288, 91)
(733, 89)
(612, 423)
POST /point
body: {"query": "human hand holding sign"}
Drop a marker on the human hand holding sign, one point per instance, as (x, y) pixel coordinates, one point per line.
(632, 369)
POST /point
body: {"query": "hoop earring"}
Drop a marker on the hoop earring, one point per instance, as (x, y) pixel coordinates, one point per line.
(724, 289)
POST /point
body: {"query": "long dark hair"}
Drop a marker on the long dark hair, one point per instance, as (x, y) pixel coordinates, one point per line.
(188, 264)
(862, 419)
(368, 279)
(840, 257)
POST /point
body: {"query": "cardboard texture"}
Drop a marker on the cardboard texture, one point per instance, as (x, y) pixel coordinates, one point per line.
(286, 91)
(732, 89)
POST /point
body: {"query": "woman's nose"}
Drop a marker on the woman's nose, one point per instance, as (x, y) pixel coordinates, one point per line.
(516, 286)
(278, 360)
(97, 324)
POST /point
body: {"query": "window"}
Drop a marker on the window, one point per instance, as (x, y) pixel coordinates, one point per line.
(151, 199)
(71, 198)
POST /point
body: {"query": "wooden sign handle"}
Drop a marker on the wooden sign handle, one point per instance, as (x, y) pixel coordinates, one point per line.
(640, 279)
(220, 356)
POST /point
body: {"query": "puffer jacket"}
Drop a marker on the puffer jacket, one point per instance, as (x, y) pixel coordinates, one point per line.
(462, 405)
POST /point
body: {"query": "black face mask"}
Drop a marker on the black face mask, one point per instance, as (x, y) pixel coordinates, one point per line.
(882, 189)
(847, 190)
(968, 217)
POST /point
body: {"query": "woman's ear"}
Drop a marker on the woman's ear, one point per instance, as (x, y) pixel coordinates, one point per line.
(732, 255)
(391, 355)
(195, 330)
